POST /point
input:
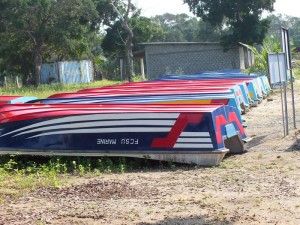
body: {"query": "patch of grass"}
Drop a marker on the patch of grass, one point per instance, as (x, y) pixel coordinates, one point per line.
(271, 165)
(18, 178)
(45, 90)
(221, 214)
(22, 174)
(149, 211)
(201, 184)
(297, 72)
(258, 201)
(132, 215)
(230, 163)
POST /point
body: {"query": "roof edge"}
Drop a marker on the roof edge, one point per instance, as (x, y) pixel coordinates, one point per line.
(178, 43)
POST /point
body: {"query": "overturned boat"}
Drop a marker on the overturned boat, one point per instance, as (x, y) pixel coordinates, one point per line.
(12, 99)
(157, 97)
(160, 89)
(198, 134)
(254, 83)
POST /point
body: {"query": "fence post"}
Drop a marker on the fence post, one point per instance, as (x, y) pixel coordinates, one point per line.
(5, 82)
(17, 82)
(142, 68)
(121, 69)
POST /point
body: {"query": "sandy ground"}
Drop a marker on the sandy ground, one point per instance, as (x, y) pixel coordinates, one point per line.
(261, 186)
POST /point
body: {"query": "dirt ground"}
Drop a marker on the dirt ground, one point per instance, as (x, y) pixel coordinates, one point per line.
(261, 186)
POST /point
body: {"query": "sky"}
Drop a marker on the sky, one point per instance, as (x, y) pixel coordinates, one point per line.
(157, 7)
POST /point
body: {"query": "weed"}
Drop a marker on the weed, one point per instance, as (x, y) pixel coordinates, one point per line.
(200, 184)
(271, 165)
(171, 165)
(149, 211)
(132, 215)
(182, 201)
(258, 201)
(207, 196)
(221, 214)
(291, 168)
(122, 167)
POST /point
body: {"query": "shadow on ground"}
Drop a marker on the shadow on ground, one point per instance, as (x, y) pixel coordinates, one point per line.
(199, 220)
(296, 145)
(256, 141)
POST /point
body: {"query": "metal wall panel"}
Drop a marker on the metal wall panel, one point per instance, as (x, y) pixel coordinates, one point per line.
(49, 73)
(72, 72)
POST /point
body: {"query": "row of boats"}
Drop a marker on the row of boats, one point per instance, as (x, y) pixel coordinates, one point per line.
(181, 118)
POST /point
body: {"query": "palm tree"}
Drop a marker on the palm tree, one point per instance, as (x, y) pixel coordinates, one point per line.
(260, 66)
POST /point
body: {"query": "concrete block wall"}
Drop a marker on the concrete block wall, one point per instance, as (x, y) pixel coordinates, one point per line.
(188, 58)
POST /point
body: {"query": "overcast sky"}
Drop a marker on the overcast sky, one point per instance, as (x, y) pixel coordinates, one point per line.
(156, 7)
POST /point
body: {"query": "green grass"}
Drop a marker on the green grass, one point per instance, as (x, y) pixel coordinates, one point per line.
(296, 69)
(297, 73)
(22, 174)
(44, 91)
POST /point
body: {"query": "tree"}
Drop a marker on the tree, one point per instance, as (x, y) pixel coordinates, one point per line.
(129, 38)
(107, 13)
(143, 29)
(183, 28)
(177, 28)
(292, 23)
(128, 44)
(41, 27)
(242, 18)
(261, 65)
(209, 33)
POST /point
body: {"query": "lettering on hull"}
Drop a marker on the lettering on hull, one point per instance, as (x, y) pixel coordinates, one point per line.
(106, 141)
(124, 141)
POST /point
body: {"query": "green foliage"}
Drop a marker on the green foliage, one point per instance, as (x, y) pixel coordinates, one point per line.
(161, 28)
(177, 28)
(183, 28)
(106, 12)
(209, 33)
(270, 45)
(242, 18)
(49, 30)
(297, 72)
(143, 28)
(296, 67)
(245, 31)
(289, 22)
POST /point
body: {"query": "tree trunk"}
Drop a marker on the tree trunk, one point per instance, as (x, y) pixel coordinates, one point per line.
(129, 45)
(37, 64)
(129, 60)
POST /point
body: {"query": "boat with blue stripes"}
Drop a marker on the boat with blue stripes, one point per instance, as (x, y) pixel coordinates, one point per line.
(198, 134)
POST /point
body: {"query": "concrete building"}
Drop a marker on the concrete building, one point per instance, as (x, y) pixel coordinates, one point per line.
(191, 57)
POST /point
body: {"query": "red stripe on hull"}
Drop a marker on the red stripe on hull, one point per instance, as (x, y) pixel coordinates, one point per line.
(180, 124)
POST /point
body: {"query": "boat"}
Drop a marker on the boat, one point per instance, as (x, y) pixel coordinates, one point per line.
(196, 134)
(12, 99)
